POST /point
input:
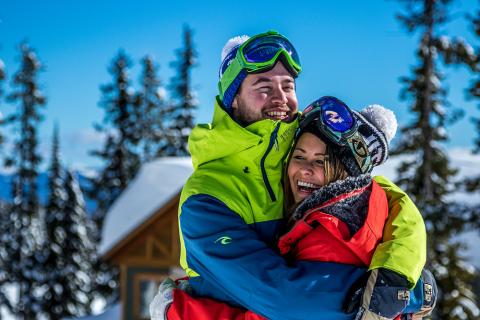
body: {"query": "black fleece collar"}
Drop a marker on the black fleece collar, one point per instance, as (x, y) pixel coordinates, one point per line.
(351, 209)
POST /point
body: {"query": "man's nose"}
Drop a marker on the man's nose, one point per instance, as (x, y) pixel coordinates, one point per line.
(279, 96)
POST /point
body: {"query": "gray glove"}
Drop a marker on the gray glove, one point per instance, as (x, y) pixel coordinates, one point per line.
(163, 299)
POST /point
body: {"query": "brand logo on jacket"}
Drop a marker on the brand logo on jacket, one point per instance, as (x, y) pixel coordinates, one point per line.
(223, 240)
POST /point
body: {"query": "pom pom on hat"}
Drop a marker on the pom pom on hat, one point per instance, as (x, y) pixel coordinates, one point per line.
(233, 43)
(382, 118)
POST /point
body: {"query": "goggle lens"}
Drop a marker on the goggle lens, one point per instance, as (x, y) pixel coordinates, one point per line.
(337, 117)
(263, 49)
(333, 117)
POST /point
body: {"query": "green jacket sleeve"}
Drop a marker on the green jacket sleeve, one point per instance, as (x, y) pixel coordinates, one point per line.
(404, 246)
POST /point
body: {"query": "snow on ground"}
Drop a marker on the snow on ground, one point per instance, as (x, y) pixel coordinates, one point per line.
(111, 313)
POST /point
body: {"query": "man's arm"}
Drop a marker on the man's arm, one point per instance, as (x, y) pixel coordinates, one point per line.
(404, 246)
(228, 254)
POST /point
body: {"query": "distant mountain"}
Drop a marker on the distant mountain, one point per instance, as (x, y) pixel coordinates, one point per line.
(6, 194)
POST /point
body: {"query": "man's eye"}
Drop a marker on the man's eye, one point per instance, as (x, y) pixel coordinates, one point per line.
(264, 89)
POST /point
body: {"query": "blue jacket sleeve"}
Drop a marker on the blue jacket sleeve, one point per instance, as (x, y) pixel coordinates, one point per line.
(229, 255)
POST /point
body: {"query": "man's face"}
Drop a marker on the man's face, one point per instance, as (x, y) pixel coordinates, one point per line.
(268, 95)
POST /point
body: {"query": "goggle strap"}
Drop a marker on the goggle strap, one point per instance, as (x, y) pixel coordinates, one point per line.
(231, 92)
(359, 149)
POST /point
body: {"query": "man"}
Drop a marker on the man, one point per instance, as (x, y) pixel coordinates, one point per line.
(231, 207)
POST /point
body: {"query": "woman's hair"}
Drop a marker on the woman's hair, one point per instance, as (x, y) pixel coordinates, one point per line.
(334, 170)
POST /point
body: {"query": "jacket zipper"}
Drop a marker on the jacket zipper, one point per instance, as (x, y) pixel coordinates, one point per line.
(273, 137)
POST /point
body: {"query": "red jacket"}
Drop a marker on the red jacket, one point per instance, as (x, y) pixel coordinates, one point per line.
(319, 236)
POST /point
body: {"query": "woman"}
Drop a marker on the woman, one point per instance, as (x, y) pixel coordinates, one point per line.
(335, 210)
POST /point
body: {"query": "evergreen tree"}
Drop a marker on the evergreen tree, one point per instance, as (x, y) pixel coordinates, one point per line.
(121, 161)
(185, 101)
(80, 250)
(473, 184)
(427, 176)
(23, 236)
(2, 78)
(118, 154)
(68, 250)
(152, 112)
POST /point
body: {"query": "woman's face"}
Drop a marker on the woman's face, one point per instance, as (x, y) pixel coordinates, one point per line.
(306, 170)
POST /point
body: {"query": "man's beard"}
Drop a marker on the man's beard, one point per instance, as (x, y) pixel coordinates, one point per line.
(242, 115)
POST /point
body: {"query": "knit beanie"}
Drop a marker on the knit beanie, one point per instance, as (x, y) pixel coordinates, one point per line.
(229, 53)
(377, 125)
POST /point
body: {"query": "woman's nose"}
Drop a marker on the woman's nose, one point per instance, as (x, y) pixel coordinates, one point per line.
(307, 168)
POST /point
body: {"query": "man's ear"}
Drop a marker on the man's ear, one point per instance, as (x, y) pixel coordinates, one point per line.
(235, 103)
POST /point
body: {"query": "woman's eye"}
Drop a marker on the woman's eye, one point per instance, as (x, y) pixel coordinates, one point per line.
(297, 157)
(320, 162)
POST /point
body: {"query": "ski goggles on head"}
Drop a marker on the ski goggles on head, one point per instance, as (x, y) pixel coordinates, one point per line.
(258, 54)
(337, 123)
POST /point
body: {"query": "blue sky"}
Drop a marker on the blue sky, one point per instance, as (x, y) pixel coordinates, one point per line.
(355, 50)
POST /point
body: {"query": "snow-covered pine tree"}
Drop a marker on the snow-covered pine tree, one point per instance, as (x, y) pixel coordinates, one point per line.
(427, 175)
(24, 159)
(184, 98)
(121, 162)
(3, 217)
(68, 252)
(79, 247)
(152, 111)
(473, 183)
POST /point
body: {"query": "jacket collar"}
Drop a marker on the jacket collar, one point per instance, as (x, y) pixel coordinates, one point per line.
(225, 137)
(345, 199)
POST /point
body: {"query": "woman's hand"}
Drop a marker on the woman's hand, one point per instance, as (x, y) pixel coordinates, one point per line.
(163, 299)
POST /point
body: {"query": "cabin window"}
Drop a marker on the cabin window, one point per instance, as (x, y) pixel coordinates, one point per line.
(146, 287)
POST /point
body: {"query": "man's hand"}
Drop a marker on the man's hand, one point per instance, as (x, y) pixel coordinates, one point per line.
(380, 294)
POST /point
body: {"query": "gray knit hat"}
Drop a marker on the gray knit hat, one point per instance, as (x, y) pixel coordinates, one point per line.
(376, 126)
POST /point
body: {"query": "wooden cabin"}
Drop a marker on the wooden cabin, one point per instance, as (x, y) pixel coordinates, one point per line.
(140, 233)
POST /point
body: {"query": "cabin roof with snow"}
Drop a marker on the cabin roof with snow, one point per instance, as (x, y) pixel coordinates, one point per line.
(154, 186)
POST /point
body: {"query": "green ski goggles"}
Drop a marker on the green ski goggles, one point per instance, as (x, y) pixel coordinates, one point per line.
(257, 54)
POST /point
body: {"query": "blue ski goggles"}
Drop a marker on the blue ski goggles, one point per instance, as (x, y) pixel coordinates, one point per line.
(338, 123)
